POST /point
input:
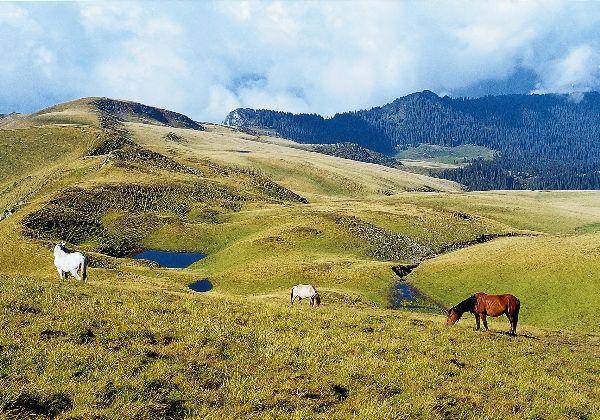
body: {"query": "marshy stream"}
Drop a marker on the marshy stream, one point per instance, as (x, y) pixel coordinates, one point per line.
(405, 296)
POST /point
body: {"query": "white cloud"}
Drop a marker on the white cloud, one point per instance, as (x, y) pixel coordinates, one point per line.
(578, 70)
(206, 58)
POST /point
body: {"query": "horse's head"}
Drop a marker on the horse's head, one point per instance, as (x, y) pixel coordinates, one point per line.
(60, 247)
(453, 317)
(317, 299)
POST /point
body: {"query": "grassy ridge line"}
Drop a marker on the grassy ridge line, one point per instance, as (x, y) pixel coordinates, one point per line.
(307, 173)
(148, 350)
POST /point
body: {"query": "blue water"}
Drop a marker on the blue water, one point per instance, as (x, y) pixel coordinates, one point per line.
(405, 296)
(405, 291)
(170, 259)
(201, 285)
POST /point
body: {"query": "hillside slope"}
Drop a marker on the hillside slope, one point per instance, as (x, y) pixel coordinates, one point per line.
(138, 345)
(135, 342)
(120, 187)
(542, 141)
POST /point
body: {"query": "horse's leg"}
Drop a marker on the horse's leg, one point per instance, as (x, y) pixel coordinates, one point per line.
(513, 323)
(477, 321)
(75, 274)
(60, 273)
(511, 320)
(484, 319)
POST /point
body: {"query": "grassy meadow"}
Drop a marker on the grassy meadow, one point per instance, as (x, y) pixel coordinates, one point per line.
(134, 342)
(139, 346)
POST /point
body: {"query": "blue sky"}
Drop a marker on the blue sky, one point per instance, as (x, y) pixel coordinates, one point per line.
(205, 59)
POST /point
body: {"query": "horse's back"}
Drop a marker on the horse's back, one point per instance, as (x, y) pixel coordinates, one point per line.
(495, 305)
(69, 261)
(304, 290)
(508, 298)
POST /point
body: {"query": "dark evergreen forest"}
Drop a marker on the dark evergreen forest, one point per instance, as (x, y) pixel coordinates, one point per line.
(546, 141)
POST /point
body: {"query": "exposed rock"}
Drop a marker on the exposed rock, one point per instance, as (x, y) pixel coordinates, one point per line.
(136, 155)
(170, 136)
(386, 245)
(480, 239)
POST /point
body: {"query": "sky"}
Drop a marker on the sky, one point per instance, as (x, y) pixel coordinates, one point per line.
(205, 59)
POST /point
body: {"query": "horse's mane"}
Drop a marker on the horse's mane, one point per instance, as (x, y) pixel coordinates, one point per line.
(465, 305)
(64, 249)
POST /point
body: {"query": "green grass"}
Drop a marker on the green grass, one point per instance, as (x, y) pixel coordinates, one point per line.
(542, 211)
(25, 151)
(134, 342)
(443, 154)
(138, 346)
(310, 174)
(555, 278)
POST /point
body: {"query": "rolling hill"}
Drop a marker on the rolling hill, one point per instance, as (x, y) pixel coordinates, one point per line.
(114, 177)
(537, 141)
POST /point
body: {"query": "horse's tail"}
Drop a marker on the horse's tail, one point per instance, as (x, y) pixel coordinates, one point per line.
(84, 265)
(292, 296)
(516, 305)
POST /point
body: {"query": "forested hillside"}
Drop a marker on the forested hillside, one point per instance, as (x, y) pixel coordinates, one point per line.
(542, 141)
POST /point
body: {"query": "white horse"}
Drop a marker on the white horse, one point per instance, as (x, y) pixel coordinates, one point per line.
(305, 291)
(70, 262)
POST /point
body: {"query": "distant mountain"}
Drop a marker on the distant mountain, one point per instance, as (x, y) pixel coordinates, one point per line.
(542, 141)
(125, 111)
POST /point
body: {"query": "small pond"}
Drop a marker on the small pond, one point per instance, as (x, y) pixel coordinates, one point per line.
(170, 259)
(203, 285)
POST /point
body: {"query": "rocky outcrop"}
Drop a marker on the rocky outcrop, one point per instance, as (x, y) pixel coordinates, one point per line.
(136, 157)
(386, 245)
(242, 117)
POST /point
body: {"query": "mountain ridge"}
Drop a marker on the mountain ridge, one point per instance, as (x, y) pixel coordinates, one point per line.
(83, 110)
(542, 140)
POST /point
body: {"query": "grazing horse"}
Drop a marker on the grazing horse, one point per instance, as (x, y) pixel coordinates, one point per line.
(70, 262)
(481, 305)
(303, 291)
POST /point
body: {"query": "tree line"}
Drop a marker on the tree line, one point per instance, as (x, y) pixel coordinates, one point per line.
(546, 141)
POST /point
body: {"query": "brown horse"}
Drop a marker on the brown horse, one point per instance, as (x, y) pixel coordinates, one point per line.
(481, 305)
